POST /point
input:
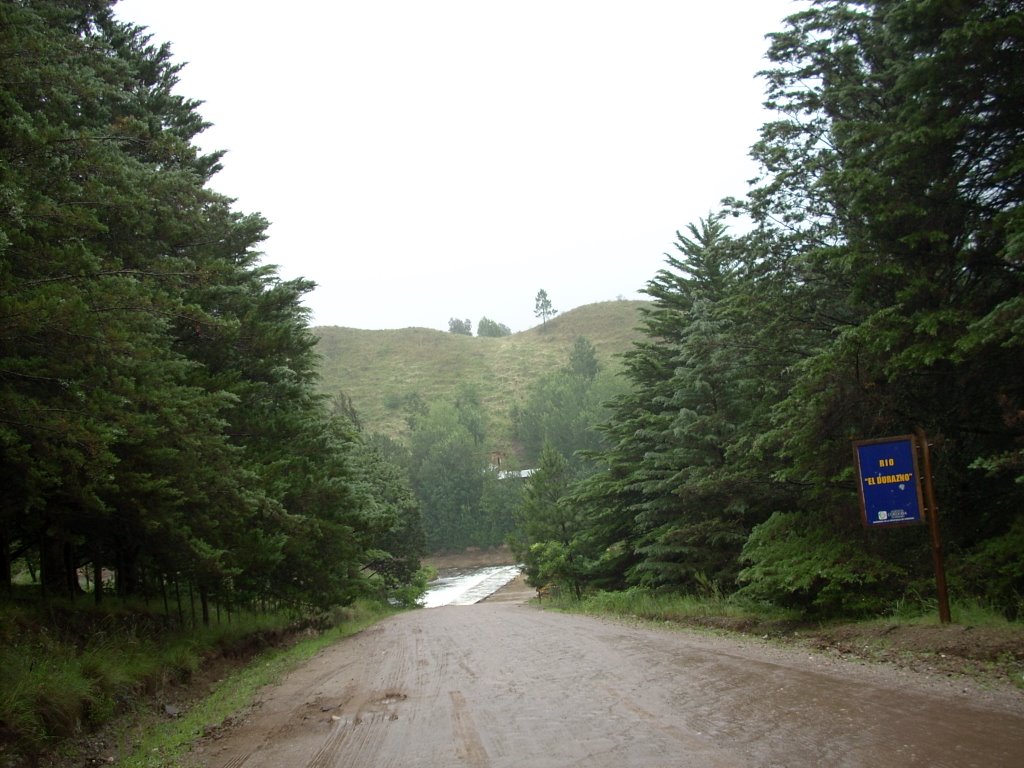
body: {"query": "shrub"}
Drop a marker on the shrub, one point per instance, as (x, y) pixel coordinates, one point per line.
(796, 560)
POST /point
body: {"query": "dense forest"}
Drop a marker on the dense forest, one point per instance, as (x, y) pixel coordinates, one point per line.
(160, 430)
(162, 427)
(166, 438)
(469, 494)
(870, 284)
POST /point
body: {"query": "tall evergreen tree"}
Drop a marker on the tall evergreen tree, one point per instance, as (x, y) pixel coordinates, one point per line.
(896, 159)
(158, 415)
(678, 492)
(548, 526)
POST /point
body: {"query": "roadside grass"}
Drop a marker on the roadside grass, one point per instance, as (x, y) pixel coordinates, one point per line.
(67, 669)
(643, 604)
(163, 744)
(667, 607)
(918, 611)
(981, 644)
(716, 611)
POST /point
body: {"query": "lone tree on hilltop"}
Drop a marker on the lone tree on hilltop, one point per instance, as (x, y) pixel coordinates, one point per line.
(542, 307)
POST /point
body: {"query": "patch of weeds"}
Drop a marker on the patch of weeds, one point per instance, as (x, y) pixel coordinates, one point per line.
(706, 612)
(66, 669)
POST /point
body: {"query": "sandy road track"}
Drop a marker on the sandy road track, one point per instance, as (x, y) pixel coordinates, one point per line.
(504, 684)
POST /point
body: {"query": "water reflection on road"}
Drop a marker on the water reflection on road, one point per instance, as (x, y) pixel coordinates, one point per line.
(465, 586)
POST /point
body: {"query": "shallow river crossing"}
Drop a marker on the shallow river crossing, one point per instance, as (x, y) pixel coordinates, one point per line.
(465, 586)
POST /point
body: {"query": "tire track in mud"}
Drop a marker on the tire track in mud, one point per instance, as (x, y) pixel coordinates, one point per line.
(468, 746)
(365, 717)
(333, 706)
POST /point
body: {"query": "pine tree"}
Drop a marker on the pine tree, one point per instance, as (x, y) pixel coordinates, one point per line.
(542, 306)
(158, 413)
(892, 171)
(549, 526)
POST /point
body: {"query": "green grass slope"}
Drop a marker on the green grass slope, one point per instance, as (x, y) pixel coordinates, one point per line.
(379, 369)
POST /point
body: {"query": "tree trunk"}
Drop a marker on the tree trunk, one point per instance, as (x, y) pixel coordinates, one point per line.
(181, 611)
(56, 567)
(126, 579)
(204, 603)
(163, 591)
(5, 565)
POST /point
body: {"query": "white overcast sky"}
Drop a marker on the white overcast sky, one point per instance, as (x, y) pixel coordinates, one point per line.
(429, 159)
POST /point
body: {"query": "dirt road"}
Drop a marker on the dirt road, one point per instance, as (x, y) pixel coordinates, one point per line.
(504, 684)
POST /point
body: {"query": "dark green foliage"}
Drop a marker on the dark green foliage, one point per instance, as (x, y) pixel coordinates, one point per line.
(158, 417)
(995, 569)
(465, 501)
(396, 530)
(915, 161)
(448, 468)
(796, 560)
(879, 290)
(445, 469)
(583, 359)
(694, 519)
(499, 503)
(564, 406)
(671, 505)
(557, 428)
(548, 526)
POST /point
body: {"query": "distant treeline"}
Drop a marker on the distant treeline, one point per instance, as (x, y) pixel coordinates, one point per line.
(471, 495)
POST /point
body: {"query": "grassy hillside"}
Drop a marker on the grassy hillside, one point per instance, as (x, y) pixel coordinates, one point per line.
(378, 369)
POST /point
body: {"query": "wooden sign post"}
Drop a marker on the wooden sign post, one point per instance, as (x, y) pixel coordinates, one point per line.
(933, 527)
(889, 485)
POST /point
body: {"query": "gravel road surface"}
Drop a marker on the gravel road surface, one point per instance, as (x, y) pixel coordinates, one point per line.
(504, 684)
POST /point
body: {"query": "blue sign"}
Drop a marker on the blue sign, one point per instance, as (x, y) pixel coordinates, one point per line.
(888, 481)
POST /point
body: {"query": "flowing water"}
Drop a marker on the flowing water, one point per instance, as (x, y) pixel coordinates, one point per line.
(465, 586)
